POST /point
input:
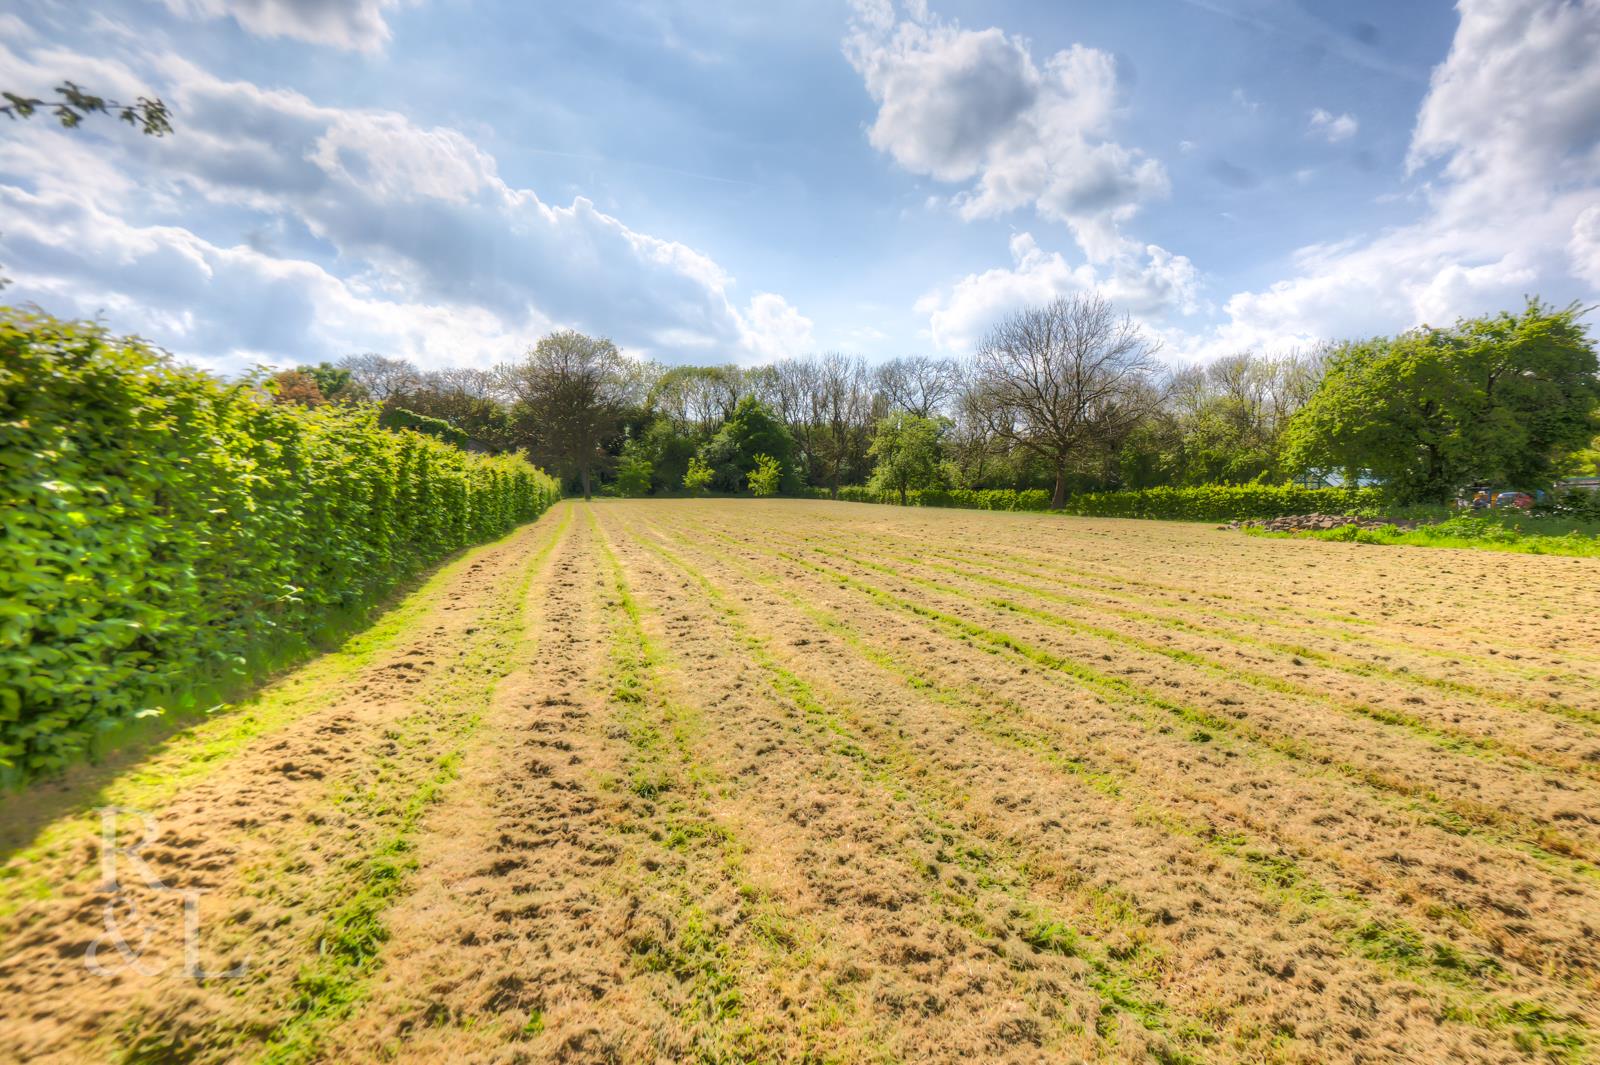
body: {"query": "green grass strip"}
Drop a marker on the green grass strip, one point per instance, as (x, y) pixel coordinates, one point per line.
(1573, 544)
(186, 759)
(350, 944)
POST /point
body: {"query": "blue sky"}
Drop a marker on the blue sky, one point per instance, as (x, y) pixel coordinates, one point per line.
(710, 182)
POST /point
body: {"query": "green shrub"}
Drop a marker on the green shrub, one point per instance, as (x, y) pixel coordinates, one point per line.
(1223, 502)
(764, 479)
(751, 430)
(1582, 504)
(634, 473)
(987, 498)
(166, 531)
(698, 477)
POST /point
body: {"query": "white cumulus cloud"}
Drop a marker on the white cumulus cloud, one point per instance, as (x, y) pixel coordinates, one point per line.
(975, 108)
(1512, 122)
(958, 105)
(390, 232)
(352, 25)
(1584, 247)
(958, 318)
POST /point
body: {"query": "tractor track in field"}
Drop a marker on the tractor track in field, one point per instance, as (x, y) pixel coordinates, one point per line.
(756, 781)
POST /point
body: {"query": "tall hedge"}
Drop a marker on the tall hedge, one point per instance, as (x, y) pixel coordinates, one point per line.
(163, 528)
(1216, 502)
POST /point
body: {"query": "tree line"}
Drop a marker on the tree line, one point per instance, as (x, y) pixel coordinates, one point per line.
(1069, 396)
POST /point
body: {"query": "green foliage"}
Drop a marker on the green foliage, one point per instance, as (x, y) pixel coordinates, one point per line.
(1222, 423)
(765, 477)
(400, 418)
(964, 498)
(633, 472)
(906, 448)
(164, 529)
(72, 105)
(1585, 462)
(698, 476)
(572, 396)
(333, 382)
(752, 430)
(667, 449)
(458, 398)
(1498, 400)
(1222, 502)
(1217, 502)
(1580, 503)
(1217, 444)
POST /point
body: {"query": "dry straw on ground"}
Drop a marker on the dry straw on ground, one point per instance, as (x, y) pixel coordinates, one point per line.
(805, 781)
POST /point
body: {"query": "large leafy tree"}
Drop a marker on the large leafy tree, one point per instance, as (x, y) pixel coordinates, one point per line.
(667, 449)
(634, 471)
(1500, 399)
(333, 382)
(906, 448)
(752, 430)
(572, 394)
(469, 399)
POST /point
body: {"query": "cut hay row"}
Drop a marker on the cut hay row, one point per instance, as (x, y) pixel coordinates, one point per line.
(1366, 939)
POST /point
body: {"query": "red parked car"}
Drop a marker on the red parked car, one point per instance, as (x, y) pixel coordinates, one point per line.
(1520, 500)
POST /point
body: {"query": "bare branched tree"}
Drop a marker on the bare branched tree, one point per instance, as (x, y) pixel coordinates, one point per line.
(841, 407)
(467, 382)
(699, 397)
(380, 377)
(1224, 422)
(918, 384)
(971, 444)
(1065, 381)
(790, 388)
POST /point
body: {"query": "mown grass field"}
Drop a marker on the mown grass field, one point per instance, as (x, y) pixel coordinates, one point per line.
(795, 780)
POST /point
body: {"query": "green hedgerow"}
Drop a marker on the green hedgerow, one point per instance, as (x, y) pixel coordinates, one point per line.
(1218, 502)
(163, 526)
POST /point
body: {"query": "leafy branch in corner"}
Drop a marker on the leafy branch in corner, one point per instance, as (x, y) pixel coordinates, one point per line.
(73, 105)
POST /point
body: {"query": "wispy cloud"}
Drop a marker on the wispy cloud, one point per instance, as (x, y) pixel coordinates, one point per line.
(1334, 128)
(1292, 23)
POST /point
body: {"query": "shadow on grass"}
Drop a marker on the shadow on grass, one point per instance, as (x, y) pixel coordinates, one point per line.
(28, 807)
